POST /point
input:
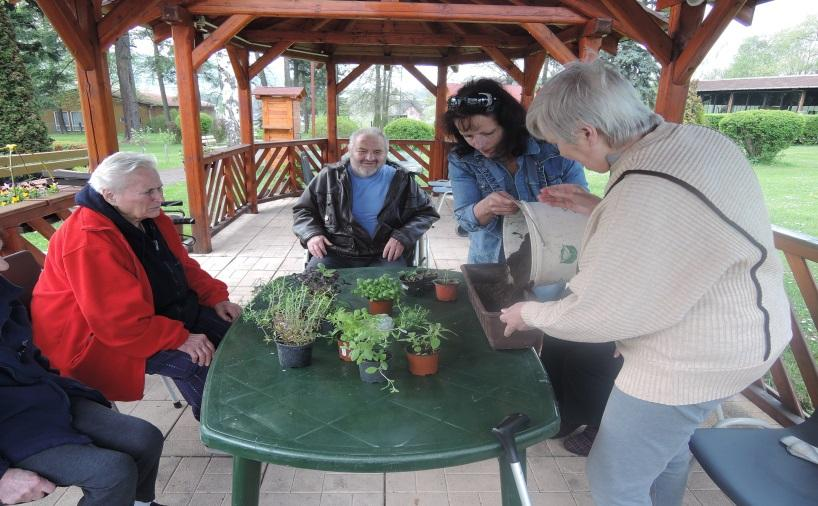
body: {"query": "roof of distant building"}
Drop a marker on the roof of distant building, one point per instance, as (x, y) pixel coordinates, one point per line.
(760, 83)
(155, 99)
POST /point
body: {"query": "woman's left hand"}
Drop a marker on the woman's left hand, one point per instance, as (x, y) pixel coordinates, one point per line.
(227, 311)
(513, 318)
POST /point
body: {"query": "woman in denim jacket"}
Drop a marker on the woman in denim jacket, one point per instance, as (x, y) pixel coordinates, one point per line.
(496, 162)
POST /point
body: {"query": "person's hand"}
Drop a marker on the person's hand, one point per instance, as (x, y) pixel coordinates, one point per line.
(569, 196)
(393, 249)
(317, 246)
(227, 311)
(19, 486)
(200, 349)
(495, 204)
(513, 318)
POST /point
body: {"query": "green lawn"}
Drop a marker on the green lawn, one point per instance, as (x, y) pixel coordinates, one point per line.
(167, 156)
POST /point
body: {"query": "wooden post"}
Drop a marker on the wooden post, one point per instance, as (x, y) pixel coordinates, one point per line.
(730, 102)
(801, 100)
(671, 95)
(438, 167)
(531, 73)
(183, 41)
(332, 114)
(240, 59)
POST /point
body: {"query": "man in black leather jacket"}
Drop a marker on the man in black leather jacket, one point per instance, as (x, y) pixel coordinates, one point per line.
(362, 211)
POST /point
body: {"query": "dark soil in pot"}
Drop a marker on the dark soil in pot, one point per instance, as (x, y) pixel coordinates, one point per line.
(294, 356)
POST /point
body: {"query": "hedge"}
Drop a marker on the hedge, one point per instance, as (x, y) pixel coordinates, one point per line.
(712, 120)
(205, 123)
(763, 133)
(344, 125)
(809, 135)
(407, 128)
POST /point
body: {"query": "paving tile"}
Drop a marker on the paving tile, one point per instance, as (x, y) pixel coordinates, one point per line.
(473, 482)
(211, 483)
(557, 450)
(367, 499)
(544, 472)
(577, 482)
(167, 465)
(50, 499)
(552, 499)
(430, 480)
(712, 498)
(220, 465)
(540, 449)
(175, 499)
(464, 498)
(400, 482)
(417, 499)
(700, 481)
(160, 413)
(490, 499)
(336, 499)
(306, 499)
(207, 500)
(583, 499)
(690, 500)
(71, 497)
(278, 478)
(186, 448)
(571, 464)
(353, 482)
(187, 475)
(482, 467)
(307, 480)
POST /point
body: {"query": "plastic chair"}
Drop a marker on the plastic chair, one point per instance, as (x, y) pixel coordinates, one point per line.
(441, 187)
(753, 468)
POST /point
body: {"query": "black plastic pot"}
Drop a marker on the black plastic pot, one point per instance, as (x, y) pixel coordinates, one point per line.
(375, 377)
(293, 356)
(417, 287)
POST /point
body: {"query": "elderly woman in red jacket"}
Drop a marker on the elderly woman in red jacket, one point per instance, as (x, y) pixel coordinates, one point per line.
(120, 297)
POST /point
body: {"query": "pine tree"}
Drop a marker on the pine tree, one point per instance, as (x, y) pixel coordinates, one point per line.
(19, 122)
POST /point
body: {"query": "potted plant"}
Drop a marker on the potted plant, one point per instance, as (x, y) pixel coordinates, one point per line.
(381, 293)
(369, 340)
(446, 287)
(320, 278)
(423, 339)
(417, 281)
(290, 314)
(345, 322)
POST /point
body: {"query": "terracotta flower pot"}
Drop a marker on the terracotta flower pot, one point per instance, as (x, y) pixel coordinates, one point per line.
(422, 365)
(446, 292)
(380, 306)
(343, 351)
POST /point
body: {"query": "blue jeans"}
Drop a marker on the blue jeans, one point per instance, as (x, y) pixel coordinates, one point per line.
(640, 456)
(177, 365)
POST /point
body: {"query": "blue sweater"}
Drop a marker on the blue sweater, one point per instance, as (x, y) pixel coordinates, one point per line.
(35, 406)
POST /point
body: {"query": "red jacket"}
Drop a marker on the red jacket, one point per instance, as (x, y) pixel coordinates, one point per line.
(92, 308)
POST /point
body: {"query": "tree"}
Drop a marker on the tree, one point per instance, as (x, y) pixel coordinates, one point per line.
(127, 86)
(19, 122)
(159, 66)
(694, 108)
(638, 67)
(789, 52)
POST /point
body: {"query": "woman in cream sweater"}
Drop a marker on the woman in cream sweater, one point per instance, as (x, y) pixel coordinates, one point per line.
(678, 268)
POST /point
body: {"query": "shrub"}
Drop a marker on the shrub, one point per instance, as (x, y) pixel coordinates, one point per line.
(763, 133)
(60, 145)
(713, 120)
(809, 135)
(407, 128)
(345, 126)
(205, 123)
(694, 108)
(157, 124)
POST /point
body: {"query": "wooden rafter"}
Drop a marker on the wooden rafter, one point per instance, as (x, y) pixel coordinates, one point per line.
(550, 42)
(77, 41)
(642, 27)
(504, 63)
(268, 56)
(123, 17)
(367, 9)
(161, 32)
(417, 74)
(352, 76)
(704, 38)
(219, 38)
(386, 38)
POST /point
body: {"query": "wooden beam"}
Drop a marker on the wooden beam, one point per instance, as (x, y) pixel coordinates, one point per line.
(670, 96)
(704, 38)
(504, 63)
(240, 60)
(219, 38)
(745, 15)
(555, 47)
(352, 76)
(367, 9)
(332, 114)
(123, 17)
(268, 56)
(417, 74)
(387, 38)
(188, 89)
(533, 66)
(161, 32)
(303, 55)
(665, 4)
(437, 168)
(642, 27)
(79, 42)
(589, 48)
(610, 44)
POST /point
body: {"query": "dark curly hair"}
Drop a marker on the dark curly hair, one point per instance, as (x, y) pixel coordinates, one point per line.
(507, 112)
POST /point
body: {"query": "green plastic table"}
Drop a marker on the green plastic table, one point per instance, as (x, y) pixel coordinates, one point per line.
(324, 417)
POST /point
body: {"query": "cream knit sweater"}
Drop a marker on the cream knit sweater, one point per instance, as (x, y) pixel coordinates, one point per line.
(694, 310)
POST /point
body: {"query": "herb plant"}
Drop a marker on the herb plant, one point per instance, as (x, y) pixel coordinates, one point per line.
(383, 288)
(418, 275)
(368, 340)
(414, 328)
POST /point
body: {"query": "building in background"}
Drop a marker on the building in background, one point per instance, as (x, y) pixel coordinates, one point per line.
(791, 93)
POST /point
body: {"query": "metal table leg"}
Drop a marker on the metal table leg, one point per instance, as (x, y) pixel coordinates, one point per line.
(246, 481)
(508, 487)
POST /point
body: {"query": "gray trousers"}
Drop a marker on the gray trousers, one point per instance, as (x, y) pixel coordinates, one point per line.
(121, 465)
(640, 456)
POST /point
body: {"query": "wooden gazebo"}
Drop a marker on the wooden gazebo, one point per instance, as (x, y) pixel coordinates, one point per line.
(362, 32)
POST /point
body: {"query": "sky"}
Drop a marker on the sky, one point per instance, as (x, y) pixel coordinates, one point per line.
(769, 18)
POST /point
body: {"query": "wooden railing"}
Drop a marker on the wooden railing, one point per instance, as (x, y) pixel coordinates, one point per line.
(226, 188)
(777, 394)
(278, 165)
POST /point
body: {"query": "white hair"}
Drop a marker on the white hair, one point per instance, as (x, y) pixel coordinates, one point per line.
(377, 132)
(113, 173)
(594, 94)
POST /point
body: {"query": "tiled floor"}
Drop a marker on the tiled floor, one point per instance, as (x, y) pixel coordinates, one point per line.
(258, 247)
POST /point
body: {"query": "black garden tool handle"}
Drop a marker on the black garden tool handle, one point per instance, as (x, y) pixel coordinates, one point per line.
(505, 431)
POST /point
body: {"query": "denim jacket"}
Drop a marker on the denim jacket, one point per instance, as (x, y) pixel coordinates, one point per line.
(474, 176)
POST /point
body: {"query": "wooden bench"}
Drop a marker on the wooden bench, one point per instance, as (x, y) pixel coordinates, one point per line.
(42, 163)
(209, 143)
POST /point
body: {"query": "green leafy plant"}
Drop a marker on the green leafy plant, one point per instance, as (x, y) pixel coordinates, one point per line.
(408, 128)
(445, 278)
(321, 278)
(368, 339)
(418, 275)
(763, 133)
(289, 312)
(412, 326)
(383, 288)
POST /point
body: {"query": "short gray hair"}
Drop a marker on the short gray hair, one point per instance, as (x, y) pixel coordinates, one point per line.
(113, 173)
(369, 131)
(594, 94)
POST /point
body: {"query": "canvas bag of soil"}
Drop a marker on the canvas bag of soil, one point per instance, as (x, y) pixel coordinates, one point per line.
(555, 236)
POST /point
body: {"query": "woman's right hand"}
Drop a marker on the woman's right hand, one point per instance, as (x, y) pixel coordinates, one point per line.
(200, 349)
(494, 204)
(569, 196)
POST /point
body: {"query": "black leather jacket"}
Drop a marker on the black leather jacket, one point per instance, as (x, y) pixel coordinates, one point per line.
(325, 208)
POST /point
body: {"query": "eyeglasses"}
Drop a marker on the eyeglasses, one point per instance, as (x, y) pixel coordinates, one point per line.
(484, 101)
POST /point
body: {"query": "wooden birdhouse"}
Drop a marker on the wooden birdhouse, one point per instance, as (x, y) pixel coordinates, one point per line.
(280, 112)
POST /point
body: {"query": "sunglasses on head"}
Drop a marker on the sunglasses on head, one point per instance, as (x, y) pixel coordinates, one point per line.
(484, 101)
